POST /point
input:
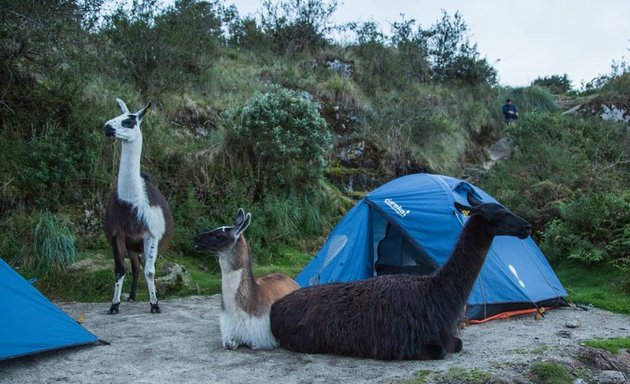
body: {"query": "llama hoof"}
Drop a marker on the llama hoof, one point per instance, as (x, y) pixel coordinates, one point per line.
(131, 299)
(435, 352)
(230, 344)
(155, 308)
(113, 309)
(456, 345)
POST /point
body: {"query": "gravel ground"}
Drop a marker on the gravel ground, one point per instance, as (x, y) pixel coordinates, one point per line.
(183, 345)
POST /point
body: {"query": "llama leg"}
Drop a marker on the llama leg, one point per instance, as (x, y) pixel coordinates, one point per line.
(228, 337)
(455, 345)
(118, 248)
(433, 352)
(150, 256)
(135, 271)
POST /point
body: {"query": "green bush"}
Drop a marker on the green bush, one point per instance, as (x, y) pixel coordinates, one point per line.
(555, 84)
(285, 135)
(591, 228)
(42, 242)
(554, 157)
(569, 177)
(298, 25)
(52, 167)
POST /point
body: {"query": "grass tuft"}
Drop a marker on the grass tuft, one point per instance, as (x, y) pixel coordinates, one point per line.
(550, 372)
(468, 376)
(54, 243)
(613, 345)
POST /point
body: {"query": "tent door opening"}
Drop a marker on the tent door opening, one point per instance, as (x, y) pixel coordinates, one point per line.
(393, 252)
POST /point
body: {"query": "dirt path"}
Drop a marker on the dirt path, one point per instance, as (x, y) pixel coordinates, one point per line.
(182, 345)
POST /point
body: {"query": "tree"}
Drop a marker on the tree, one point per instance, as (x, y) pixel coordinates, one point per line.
(555, 84)
(453, 58)
(298, 25)
(412, 48)
(40, 48)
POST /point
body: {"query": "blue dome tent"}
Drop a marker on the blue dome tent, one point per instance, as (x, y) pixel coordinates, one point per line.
(30, 322)
(410, 225)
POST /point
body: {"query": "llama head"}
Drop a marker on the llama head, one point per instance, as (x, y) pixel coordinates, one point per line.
(223, 239)
(125, 127)
(501, 221)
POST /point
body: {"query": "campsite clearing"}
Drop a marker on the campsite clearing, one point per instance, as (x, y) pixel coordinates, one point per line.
(183, 345)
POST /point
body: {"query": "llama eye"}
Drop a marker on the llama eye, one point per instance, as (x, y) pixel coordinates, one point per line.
(128, 123)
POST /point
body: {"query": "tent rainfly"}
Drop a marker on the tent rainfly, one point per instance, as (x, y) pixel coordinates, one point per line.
(30, 322)
(410, 225)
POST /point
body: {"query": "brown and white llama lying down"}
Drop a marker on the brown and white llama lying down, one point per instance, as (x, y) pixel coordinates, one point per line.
(245, 300)
(395, 317)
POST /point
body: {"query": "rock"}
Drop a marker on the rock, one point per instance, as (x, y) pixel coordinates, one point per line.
(573, 111)
(98, 262)
(610, 377)
(199, 119)
(615, 109)
(172, 278)
(358, 154)
(500, 149)
(574, 323)
(614, 113)
(599, 359)
(342, 68)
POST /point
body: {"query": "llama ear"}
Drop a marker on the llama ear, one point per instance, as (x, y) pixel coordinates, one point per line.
(463, 209)
(472, 200)
(122, 106)
(240, 217)
(143, 111)
(241, 228)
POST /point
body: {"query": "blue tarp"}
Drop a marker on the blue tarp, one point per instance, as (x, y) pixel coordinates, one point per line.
(516, 274)
(30, 323)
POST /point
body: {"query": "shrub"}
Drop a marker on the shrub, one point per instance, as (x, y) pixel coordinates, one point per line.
(156, 48)
(48, 169)
(591, 228)
(298, 25)
(555, 84)
(569, 177)
(42, 242)
(286, 136)
(554, 156)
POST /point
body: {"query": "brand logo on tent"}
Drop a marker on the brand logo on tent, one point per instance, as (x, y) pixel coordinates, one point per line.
(397, 207)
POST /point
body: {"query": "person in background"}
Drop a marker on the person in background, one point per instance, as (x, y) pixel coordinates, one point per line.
(509, 111)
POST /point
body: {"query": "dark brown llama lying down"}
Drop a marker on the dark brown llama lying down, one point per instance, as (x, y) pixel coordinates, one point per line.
(395, 317)
(245, 300)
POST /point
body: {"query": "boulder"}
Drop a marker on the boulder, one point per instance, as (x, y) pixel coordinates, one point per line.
(172, 277)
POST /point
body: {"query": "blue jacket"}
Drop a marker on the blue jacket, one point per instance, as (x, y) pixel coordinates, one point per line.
(509, 112)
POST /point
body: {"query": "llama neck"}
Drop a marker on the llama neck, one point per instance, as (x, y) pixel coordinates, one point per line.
(459, 273)
(238, 286)
(130, 185)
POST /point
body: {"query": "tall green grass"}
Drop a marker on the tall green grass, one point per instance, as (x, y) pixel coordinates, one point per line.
(54, 243)
(43, 242)
(529, 99)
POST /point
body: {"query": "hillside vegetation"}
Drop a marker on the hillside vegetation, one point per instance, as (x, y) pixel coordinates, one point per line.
(272, 115)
